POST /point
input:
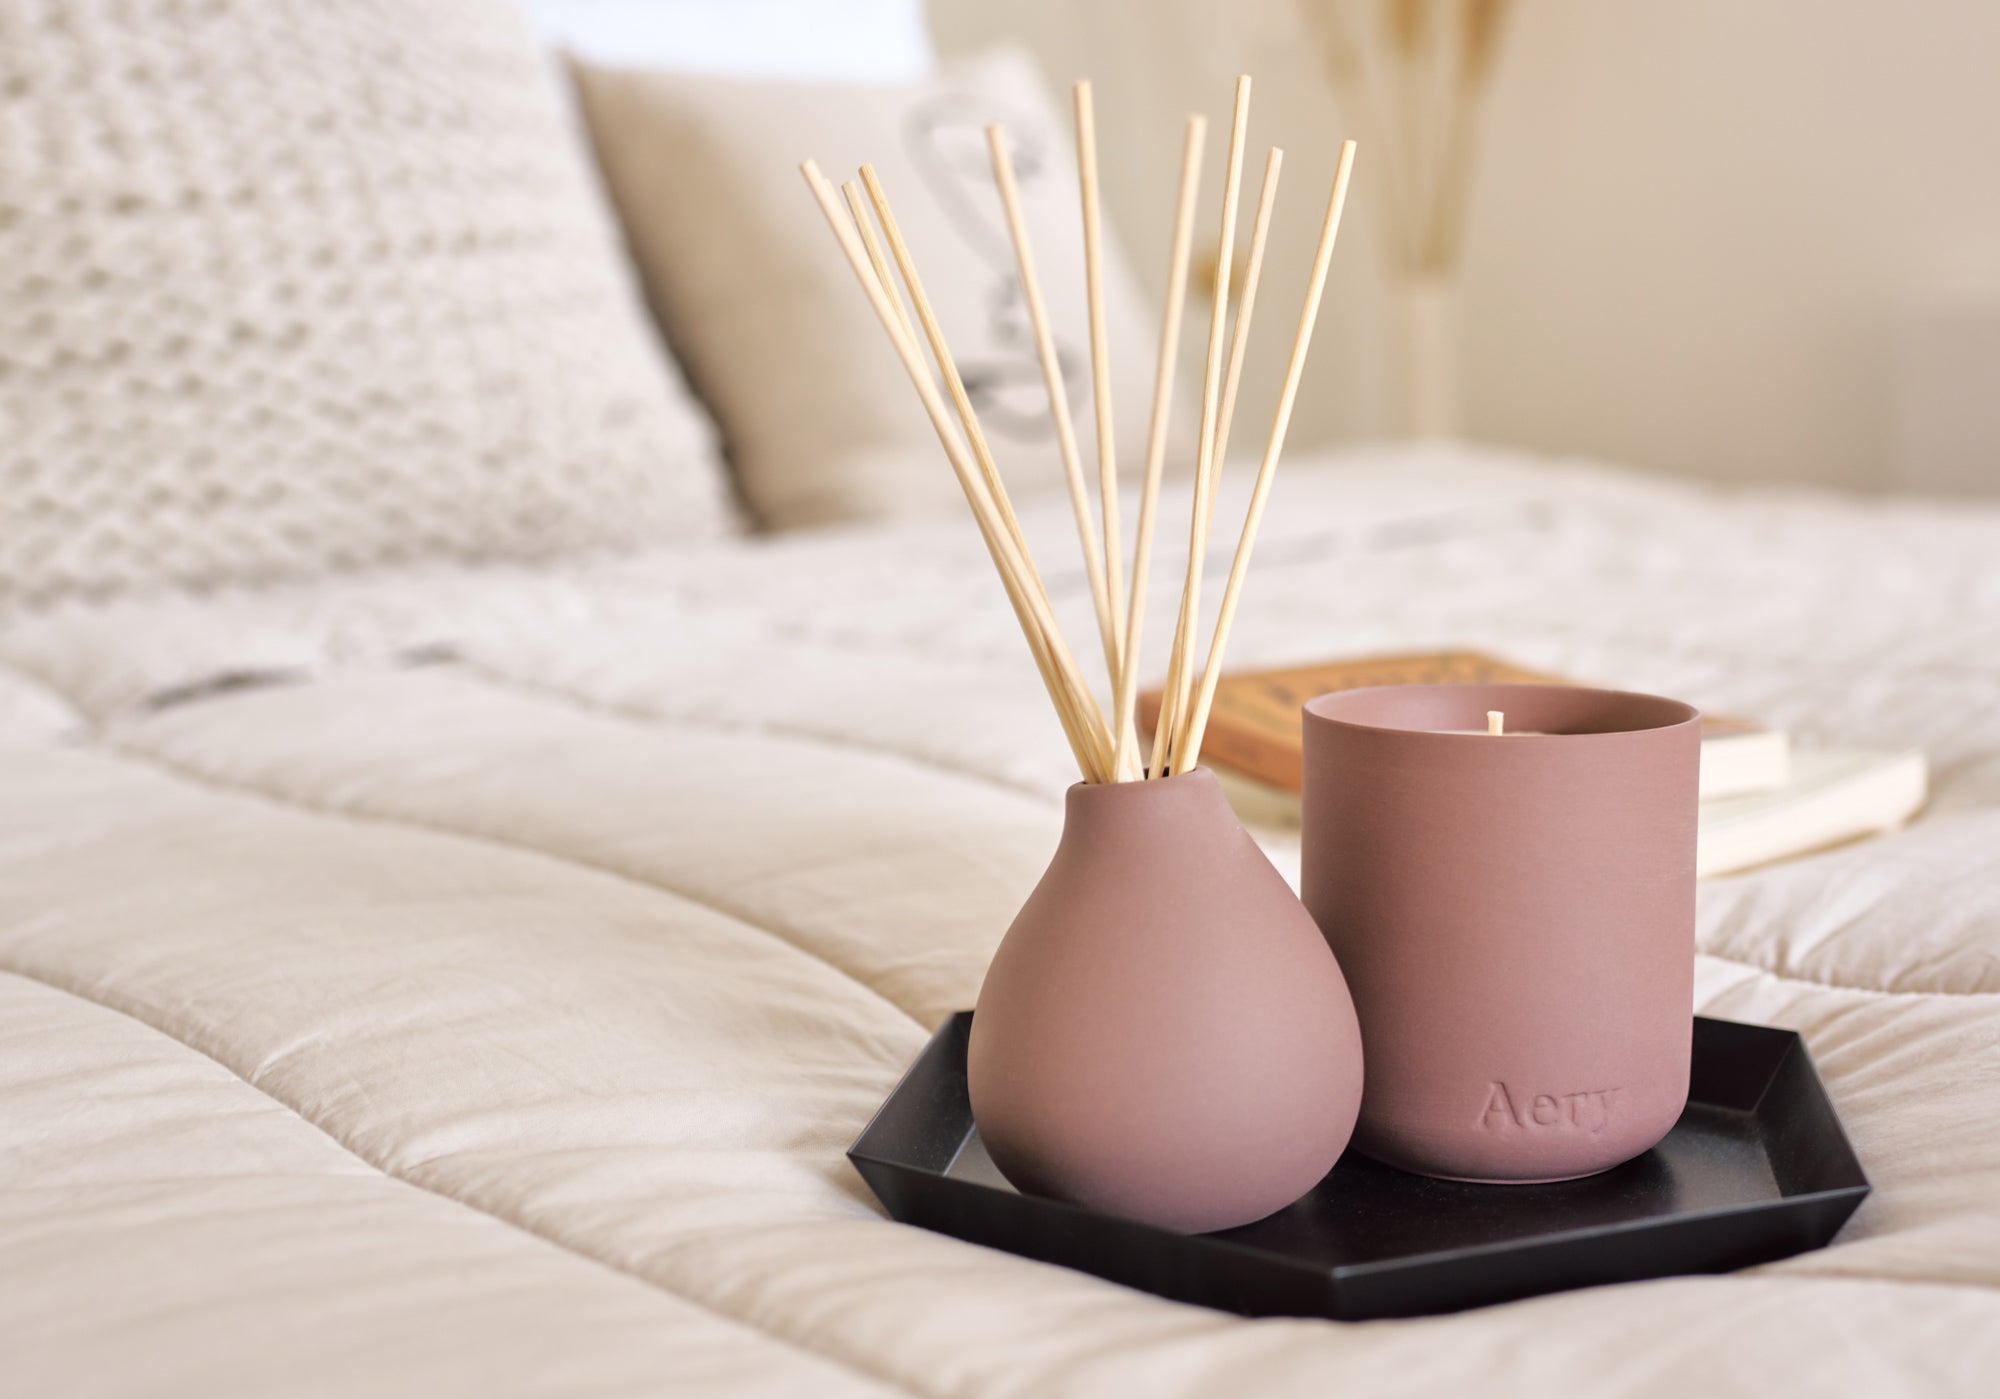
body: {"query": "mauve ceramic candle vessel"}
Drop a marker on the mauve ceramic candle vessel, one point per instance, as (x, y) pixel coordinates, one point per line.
(1163, 1033)
(1515, 917)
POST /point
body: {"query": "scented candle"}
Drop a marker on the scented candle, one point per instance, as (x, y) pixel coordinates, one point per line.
(1514, 913)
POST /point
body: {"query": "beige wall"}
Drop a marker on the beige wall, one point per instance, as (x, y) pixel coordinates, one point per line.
(1704, 229)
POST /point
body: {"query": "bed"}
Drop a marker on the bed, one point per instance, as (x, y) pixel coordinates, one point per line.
(428, 975)
(467, 980)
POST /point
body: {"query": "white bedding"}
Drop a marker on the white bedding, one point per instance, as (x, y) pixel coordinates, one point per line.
(468, 983)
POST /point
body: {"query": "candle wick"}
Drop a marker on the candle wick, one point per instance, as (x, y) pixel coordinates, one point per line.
(1496, 721)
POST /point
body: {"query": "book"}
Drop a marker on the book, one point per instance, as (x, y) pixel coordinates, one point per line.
(1835, 795)
(1740, 756)
(1254, 729)
(1773, 802)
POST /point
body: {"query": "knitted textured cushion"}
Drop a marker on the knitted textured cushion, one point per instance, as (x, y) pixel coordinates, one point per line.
(293, 286)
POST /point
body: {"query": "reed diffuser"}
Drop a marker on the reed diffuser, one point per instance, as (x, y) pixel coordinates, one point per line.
(1163, 1032)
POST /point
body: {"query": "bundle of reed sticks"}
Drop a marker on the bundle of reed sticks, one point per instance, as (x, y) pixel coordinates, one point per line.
(1106, 749)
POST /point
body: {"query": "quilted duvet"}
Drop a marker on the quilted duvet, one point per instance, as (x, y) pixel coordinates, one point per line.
(468, 982)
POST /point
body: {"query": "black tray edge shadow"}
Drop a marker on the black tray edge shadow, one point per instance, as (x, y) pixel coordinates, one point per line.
(914, 1138)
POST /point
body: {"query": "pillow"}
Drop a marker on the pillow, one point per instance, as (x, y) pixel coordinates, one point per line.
(289, 286)
(771, 38)
(818, 416)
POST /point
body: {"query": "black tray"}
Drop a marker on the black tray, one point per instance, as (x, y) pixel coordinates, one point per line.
(1757, 1168)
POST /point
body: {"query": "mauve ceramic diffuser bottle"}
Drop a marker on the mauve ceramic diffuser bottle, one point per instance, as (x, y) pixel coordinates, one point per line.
(1164, 1034)
(1515, 915)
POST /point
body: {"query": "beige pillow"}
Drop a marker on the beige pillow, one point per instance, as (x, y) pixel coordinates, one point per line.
(289, 286)
(819, 419)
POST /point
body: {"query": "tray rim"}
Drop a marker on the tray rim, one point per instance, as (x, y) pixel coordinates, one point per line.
(960, 1022)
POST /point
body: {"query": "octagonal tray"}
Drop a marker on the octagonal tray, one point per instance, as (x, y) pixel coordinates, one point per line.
(1757, 1168)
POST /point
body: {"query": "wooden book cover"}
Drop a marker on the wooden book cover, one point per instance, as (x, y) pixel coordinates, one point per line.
(1254, 726)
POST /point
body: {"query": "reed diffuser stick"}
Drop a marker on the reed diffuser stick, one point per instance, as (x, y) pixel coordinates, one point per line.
(858, 208)
(1100, 364)
(1084, 701)
(1052, 378)
(1246, 308)
(1239, 567)
(1104, 752)
(1090, 745)
(947, 366)
(1164, 367)
(1174, 700)
(1124, 765)
(1246, 302)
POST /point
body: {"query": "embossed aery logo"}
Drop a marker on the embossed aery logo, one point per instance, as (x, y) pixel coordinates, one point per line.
(1587, 1111)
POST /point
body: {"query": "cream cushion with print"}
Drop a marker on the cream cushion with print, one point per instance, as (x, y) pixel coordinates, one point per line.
(816, 411)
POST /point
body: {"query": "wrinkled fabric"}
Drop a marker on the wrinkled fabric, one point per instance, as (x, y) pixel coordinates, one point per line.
(468, 982)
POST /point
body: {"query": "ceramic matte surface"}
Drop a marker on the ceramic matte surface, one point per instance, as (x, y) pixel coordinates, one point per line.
(1163, 1033)
(1515, 916)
